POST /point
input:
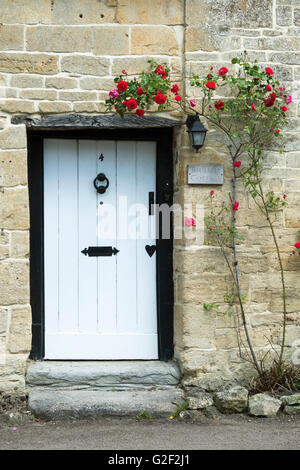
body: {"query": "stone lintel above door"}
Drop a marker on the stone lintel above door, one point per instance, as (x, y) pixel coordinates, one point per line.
(107, 121)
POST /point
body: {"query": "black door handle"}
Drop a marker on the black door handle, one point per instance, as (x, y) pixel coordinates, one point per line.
(151, 203)
(100, 251)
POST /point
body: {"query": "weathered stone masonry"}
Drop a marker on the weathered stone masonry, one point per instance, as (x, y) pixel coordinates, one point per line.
(60, 57)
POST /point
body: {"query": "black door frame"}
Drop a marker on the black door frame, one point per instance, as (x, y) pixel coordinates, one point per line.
(164, 194)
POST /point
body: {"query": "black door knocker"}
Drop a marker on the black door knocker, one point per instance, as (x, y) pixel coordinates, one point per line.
(97, 183)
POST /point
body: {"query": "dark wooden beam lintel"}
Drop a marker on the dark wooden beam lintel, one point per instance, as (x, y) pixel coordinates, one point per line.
(105, 121)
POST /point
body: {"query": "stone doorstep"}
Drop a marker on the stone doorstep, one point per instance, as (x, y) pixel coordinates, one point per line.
(54, 404)
(102, 375)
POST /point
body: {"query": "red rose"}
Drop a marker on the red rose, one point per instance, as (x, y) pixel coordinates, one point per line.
(123, 72)
(212, 192)
(131, 104)
(122, 86)
(140, 112)
(160, 71)
(284, 196)
(210, 227)
(297, 245)
(210, 85)
(284, 108)
(219, 105)
(271, 100)
(160, 98)
(235, 206)
(268, 88)
(223, 71)
(277, 131)
(253, 107)
(177, 98)
(237, 164)
(208, 76)
(139, 91)
(269, 71)
(174, 89)
(124, 103)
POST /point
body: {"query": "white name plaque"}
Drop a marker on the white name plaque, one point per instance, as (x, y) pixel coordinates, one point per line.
(205, 174)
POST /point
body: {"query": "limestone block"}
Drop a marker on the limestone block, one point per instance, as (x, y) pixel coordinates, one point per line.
(25, 11)
(3, 321)
(85, 65)
(26, 81)
(262, 404)
(88, 107)
(19, 337)
(16, 106)
(14, 213)
(284, 58)
(13, 62)
(4, 237)
(61, 82)
(230, 13)
(200, 40)
(150, 12)
(197, 290)
(11, 37)
(133, 65)
(38, 94)
(58, 39)
(54, 107)
(4, 251)
(297, 16)
(13, 138)
(153, 40)
(3, 121)
(19, 243)
(284, 16)
(14, 282)
(233, 400)
(83, 12)
(94, 83)
(77, 95)
(110, 41)
(13, 168)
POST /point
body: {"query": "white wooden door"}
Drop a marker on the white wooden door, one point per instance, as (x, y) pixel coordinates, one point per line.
(99, 307)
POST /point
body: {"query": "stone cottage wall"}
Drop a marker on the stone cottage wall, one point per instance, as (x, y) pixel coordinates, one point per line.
(59, 57)
(207, 343)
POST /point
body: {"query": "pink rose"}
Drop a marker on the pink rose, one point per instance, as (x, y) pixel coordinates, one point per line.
(193, 103)
(189, 221)
(288, 99)
(113, 93)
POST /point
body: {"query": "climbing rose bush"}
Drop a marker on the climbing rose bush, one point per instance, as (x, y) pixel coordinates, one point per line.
(138, 94)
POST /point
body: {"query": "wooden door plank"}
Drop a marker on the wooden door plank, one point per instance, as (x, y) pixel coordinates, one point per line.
(126, 262)
(51, 159)
(68, 236)
(87, 235)
(106, 231)
(146, 265)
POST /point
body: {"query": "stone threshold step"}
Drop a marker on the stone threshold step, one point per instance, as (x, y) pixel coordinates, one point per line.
(105, 375)
(57, 404)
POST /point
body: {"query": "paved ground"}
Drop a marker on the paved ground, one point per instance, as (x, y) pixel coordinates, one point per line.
(227, 432)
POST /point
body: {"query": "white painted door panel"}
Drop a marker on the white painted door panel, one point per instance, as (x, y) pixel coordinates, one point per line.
(99, 307)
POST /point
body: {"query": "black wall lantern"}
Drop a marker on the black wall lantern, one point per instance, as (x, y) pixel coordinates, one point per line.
(196, 130)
